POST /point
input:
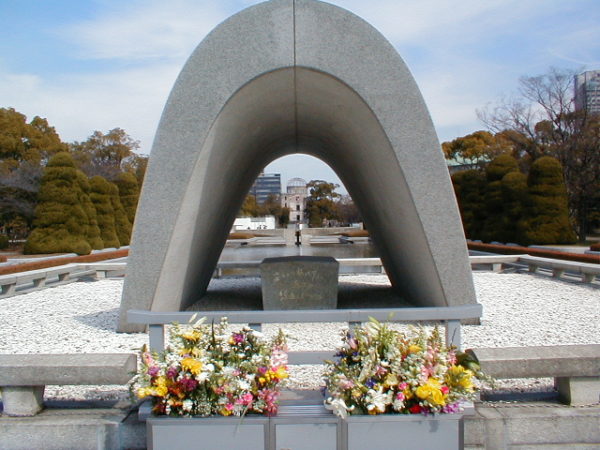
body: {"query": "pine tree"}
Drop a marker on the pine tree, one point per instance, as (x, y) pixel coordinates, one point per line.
(60, 222)
(547, 215)
(122, 224)
(129, 192)
(100, 195)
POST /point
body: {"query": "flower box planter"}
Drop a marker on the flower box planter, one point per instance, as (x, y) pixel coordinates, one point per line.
(295, 429)
(174, 433)
(403, 431)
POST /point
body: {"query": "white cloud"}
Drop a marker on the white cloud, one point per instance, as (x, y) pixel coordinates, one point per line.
(143, 30)
(76, 105)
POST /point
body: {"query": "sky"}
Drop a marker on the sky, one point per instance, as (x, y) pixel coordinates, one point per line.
(89, 65)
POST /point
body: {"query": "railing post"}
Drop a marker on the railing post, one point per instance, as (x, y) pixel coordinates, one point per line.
(453, 333)
(156, 335)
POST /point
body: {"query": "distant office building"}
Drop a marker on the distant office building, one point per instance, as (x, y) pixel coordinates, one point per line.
(587, 92)
(265, 185)
(295, 199)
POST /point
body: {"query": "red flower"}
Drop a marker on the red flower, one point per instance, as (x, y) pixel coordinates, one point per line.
(416, 409)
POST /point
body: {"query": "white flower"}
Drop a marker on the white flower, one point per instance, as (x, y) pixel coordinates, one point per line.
(209, 367)
(338, 406)
(244, 385)
(378, 400)
(187, 405)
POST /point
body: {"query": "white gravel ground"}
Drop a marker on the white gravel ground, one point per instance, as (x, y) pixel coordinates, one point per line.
(519, 310)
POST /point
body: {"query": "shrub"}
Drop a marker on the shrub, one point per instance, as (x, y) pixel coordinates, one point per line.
(92, 230)
(100, 194)
(3, 242)
(469, 187)
(547, 215)
(60, 220)
(493, 226)
(122, 223)
(514, 197)
(129, 193)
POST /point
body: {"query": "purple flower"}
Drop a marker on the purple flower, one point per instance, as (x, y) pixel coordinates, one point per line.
(172, 373)
(370, 382)
(153, 371)
(188, 384)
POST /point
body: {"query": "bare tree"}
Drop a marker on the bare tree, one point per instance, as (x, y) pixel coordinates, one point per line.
(540, 120)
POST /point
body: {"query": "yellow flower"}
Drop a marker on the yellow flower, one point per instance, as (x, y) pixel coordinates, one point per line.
(192, 335)
(424, 391)
(467, 380)
(438, 398)
(144, 392)
(431, 392)
(224, 411)
(390, 380)
(280, 373)
(194, 351)
(192, 365)
(413, 348)
(161, 386)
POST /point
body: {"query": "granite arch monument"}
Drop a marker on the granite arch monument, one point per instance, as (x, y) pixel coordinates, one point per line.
(282, 77)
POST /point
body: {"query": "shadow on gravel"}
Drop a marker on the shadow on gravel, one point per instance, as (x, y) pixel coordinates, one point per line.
(104, 320)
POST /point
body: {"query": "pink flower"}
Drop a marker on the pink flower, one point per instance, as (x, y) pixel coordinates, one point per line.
(153, 371)
(400, 396)
(172, 372)
(452, 357)
(229, 406)
(238, 338)
(262, 370)
(245, 399)
(445, 389)
(402, 386)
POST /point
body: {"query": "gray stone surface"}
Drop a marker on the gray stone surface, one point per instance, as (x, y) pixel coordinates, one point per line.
(22, 400)
(84, 368)
(578, 391)
(541, 361)
(495, 426)
(299, 282)
(283, 77)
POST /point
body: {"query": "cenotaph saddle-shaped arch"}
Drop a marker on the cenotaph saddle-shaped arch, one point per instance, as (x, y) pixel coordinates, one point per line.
(282, 77)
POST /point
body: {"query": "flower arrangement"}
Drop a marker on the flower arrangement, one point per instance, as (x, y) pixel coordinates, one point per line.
(380, 370)
(207, 371)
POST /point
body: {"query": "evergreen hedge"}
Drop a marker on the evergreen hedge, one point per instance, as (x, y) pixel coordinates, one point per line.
(92, 230)
(60, 222)
(493, 225)
(546, 213)
(122, 224)
(129, 192)
(100, 194)
(469, 187)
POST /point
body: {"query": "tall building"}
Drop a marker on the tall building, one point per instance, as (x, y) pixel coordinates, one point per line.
(295, 199)
(265, 185)
(587, 92)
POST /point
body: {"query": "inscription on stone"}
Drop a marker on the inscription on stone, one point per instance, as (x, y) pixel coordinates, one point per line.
(299, 282)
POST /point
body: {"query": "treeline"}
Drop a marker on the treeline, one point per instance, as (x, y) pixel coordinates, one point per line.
(324, 207)
(66, 197)
(537, 124)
